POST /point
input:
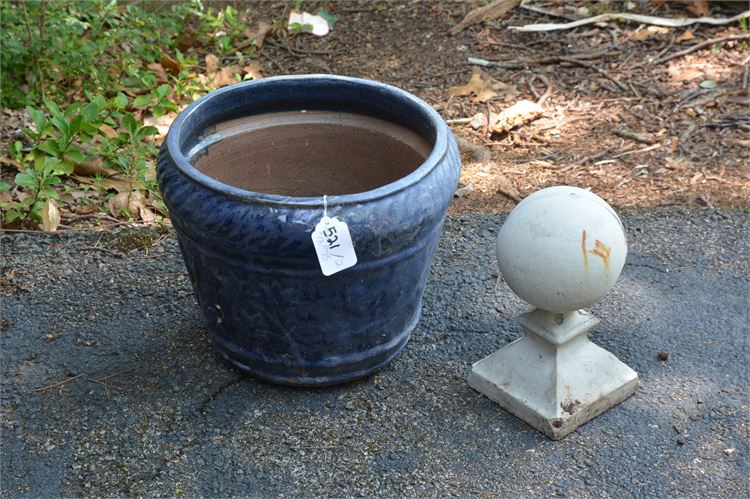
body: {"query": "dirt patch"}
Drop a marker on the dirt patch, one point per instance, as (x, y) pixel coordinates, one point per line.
(695, 150)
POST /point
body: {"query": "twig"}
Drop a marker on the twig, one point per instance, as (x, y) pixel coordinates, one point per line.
(457, 121)
(531, 8)
(619, 16)
(98, 216)
(118, 373)
(58, 383)
(638, 137)
(546, 94)
(707, 43)
(106, 250)
(645, 149)
(78, 229)
(604, 73)
(541, 61)
(298, 51)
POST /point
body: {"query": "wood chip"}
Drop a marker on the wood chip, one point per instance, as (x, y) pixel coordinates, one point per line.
(518, 114)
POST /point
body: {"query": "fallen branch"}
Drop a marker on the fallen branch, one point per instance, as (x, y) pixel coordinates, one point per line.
(702, 45)
(487, 13)
(622, 16)
(475, 61)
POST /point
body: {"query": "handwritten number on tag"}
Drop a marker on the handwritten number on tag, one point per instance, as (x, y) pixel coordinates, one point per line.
(333, 246)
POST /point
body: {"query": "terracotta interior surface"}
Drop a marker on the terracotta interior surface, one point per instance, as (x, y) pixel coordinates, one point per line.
(310, 153)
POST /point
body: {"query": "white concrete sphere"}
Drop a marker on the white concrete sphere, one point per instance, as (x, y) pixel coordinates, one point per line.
(561, 249)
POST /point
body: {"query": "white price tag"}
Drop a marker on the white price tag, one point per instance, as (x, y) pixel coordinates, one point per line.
(333, 244)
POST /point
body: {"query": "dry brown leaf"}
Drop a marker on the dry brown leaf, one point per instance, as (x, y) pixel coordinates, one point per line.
(518, 114)
(92, 168)
(227, 76)
(159, 71)
(212, 64)
(256, 35)
(108, 131)
(253, 69)
(686, 36)
(132, 201)
(481, 87)
(50, 216)
(485, 13)
(699, 8)
(170, 64)
(86, 209)
(146, 214)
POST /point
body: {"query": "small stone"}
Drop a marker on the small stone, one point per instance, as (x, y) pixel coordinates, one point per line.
(730, 451)
(663, 356)
(680, 441)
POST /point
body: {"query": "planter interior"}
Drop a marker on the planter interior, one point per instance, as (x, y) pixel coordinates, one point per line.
(309, 153)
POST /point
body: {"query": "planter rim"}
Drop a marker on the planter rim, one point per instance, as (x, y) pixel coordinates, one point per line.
(439, 148)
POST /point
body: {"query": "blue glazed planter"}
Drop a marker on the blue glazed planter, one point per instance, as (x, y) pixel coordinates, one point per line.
(267, 305)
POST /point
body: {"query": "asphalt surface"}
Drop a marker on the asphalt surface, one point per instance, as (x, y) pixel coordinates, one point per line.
(153, 411)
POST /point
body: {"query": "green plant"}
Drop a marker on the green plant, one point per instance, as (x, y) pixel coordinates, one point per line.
(53, 47)
(130, 153)
(63, 139)
(55, 151)
(157, 101)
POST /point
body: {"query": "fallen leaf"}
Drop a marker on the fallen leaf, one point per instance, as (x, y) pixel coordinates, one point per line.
(253, 69)
(159, 71)
(50, 216)
(686, 36)
(86, 209)
(132, 201)
(485, 13)
(212, 64)
(92, 168)
(108, 130)
(171, 64)
(188, 39)
(227, 76)
(481, 87)
(699, 8)
(308, 23)
(257, 35)
(708, 84)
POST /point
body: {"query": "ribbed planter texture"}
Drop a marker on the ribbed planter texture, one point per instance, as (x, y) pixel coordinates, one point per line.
(247, 173)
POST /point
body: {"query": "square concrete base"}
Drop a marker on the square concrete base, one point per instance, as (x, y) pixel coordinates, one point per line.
(554, 378)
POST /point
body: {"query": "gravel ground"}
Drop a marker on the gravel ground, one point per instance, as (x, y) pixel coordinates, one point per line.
(164, 415)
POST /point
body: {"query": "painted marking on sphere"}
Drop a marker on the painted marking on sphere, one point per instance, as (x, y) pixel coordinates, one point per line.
(583, 251)
(602, 251)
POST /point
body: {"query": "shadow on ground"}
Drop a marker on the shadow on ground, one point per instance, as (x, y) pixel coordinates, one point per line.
(154, 411)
